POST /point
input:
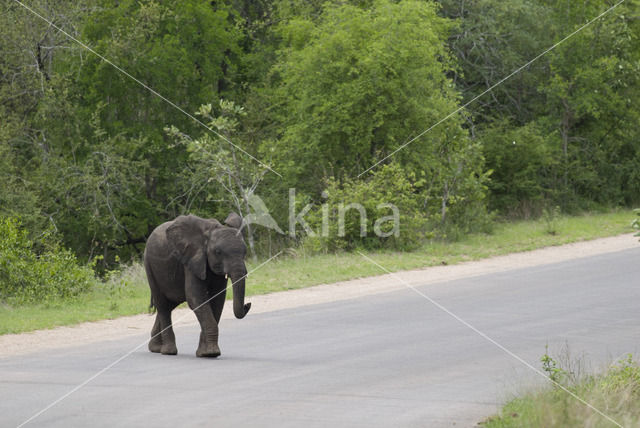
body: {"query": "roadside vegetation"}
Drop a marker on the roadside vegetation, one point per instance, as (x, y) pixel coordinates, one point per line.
(125, 291)
(615, 392)
(319, 91)
(37, 271)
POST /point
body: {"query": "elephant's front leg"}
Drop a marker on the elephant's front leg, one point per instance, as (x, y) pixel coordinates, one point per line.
(208, 344)
(219, 291)
(197, 296)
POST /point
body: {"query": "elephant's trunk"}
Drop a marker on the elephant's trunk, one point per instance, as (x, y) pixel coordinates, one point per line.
(240, 309)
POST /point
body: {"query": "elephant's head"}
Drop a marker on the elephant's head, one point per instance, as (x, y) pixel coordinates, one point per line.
(200, 243)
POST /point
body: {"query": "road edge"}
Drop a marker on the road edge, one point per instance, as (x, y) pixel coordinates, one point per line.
(96, 331)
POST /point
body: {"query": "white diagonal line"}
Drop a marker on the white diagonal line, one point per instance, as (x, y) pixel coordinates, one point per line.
(485, 336)
(102, 371)
(153, 91)
(492, 87)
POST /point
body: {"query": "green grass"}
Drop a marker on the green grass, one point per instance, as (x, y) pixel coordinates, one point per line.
(128, 294)
(616, 393)
(304, 270)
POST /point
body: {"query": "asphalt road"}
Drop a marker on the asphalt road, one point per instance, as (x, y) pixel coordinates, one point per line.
(385, 360)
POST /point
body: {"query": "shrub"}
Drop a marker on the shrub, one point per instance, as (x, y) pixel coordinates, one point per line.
(616, 392)
(524, 167)
(390, 185)
(37, 271)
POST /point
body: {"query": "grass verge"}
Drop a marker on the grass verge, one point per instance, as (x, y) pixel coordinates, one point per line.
(616, 393)
(127, 293)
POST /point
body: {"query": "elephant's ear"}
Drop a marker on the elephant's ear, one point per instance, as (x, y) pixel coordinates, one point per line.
(187, 238)
(233, 220)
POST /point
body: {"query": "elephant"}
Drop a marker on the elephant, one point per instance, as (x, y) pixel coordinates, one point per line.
(189, 259)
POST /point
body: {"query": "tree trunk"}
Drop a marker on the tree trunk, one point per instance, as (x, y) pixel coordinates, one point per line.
(445, 198)
(564, 131)
(250, 239)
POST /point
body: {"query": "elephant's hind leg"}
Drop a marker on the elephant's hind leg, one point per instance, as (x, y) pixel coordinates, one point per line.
(155, 344)
(163, 339)
(166, 332)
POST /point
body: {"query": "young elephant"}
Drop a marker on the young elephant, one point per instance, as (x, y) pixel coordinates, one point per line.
(189, 259)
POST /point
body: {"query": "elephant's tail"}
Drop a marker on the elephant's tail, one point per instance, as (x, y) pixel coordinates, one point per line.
(152, 306)
(147, 269)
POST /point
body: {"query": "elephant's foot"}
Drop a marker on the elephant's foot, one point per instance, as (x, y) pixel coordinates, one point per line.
(210, 350)
(169, 349)
(155, 345)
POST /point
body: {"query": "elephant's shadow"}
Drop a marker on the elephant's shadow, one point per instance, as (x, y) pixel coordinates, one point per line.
(226, 358)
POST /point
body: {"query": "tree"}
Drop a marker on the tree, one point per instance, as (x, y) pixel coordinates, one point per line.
(98, 201)
(216, 162)
(574, 102)
(592, 82)
(357, 83)
(524, 164)
(186, 51)
(30, 77)
(493, 39)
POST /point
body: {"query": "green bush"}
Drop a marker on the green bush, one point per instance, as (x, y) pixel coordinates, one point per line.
(524, 169)
(37, 271)
(389, 185)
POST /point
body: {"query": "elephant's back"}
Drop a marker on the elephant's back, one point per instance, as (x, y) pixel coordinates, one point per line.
(157, 245)
(165, 270)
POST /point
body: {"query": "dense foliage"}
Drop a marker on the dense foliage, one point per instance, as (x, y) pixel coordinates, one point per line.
(37, 271)
(318, 91)
(370, 224)
(559, 132)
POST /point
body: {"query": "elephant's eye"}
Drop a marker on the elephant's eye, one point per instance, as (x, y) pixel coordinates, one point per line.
(217, 251)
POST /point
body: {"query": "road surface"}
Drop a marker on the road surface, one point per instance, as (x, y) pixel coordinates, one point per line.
(391, 359)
